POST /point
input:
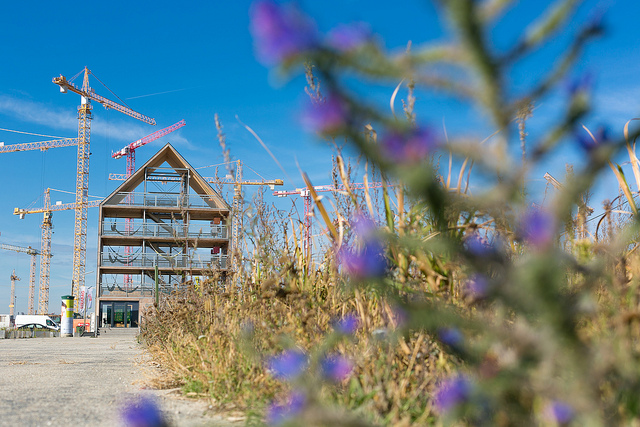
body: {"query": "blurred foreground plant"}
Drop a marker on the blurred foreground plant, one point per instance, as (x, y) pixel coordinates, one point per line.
(474, 307)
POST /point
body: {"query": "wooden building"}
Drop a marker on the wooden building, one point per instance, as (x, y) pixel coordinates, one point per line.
(163, 226)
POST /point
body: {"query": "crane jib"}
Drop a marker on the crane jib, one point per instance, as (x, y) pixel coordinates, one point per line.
(107, 103)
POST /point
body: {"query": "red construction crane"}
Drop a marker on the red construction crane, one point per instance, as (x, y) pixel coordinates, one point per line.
(306, 197)
(130, 150)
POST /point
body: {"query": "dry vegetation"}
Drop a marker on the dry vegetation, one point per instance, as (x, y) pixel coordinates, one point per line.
(473, 309)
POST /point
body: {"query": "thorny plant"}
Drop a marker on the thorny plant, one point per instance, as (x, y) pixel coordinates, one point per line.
(470, 309)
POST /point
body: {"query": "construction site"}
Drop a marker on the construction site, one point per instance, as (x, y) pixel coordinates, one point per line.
(164, 226)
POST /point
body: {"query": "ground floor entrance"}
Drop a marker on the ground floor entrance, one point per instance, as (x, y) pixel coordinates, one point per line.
(119, 314)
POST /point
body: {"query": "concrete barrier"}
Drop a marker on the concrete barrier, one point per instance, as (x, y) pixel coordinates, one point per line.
(14, 333)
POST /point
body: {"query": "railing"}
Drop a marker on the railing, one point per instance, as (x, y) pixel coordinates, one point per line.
(166, 200)
(177, 261)
(165, 230)
(136, 290)
(126, 290)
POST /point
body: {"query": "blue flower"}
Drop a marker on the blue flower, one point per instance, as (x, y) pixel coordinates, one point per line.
(369, 261)
(451, 337)
(589, 142)
(328, 116)
(347, 325)
(537, 227)
(279, 414)
(452, 392)
(349, 37)
(280, 31)
(287, 365)
(336, 368)
(409, 147)
(559, 412)
(143, 412)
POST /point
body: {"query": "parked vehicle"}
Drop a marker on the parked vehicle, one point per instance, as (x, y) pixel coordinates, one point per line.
(33, 326)
(36, 319)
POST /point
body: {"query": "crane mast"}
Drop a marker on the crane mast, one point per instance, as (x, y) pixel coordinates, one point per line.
(12, 301)
(236, 222)
(45, 255)
(32, 270)
(87, 94)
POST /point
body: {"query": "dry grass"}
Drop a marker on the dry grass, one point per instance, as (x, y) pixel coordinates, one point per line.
(215, 344)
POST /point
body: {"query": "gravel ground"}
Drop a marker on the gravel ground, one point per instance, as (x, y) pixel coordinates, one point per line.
(86, 382)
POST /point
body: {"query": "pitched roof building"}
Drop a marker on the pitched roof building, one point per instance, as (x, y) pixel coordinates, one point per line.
(164, 225)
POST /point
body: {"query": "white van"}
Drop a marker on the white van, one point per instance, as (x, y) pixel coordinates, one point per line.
(38, 320)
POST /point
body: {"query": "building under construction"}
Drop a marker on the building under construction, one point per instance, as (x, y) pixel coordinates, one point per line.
(163, 226)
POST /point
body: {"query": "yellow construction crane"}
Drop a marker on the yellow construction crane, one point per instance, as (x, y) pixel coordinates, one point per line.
(32, 271)
(45, 249)
(87, 94)
(12, 303)
(41, 145)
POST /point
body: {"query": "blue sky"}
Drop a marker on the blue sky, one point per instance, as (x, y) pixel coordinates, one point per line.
(191, 60)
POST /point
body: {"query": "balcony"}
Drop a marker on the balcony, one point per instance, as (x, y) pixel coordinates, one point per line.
(176, 231)
(122, 290)
(175, 261)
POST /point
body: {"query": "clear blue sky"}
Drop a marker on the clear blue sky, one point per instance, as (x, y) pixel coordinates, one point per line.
(190, 60)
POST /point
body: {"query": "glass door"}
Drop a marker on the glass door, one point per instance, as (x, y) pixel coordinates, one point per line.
(132, 314)
(119, 315)
(106, 313)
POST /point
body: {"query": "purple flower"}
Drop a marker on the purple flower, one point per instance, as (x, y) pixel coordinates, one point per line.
(336, 368)
(478, 285)
(279, 414)
(143, 412)
(327, 116)
(287, 365)
(477, 246)
(451, 337)
(280, 31)
(369, 261)
(410, 147)
(345, 38)
(347, 325)
(452, 392)
(537, 228)
(559, 412)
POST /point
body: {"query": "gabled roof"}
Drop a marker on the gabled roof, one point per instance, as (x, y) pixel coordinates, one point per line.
(171, 156)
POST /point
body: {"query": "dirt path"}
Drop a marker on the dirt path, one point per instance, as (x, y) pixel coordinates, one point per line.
(85, 382)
